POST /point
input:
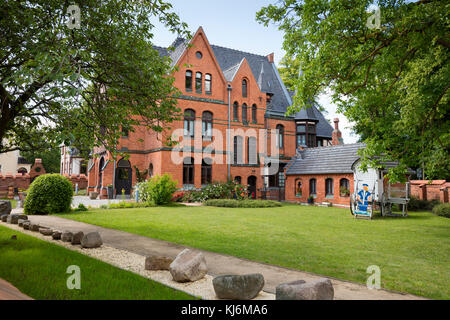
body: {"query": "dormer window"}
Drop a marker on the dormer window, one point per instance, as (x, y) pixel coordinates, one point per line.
(244, 88)
(306, 134)
(188, 81)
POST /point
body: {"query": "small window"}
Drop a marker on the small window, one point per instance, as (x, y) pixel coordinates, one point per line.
(188, 171)
(199, 55)
(207, 122)
(188, 80)
(298, 188)
(329, 187)
(236, 111)
(312, 187)
(189, 123)
(150, 170)
(198, 82)
(244, 88)
(208, 80)
(254, 119)
(344, 187)
(238, 179)
(244, 113)
(206, 171)
(280, 136)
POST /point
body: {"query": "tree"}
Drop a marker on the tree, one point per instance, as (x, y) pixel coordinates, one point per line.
(390, 76)
(51, 158)
(60, 83)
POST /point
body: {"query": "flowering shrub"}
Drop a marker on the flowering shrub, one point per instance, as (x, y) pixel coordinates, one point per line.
(217, 190)
(240, 192)
(159, 189)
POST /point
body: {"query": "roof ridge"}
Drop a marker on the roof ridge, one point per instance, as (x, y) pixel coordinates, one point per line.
(240, 51)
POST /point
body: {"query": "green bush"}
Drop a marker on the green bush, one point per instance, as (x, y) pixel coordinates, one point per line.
(217, 190)
(159, 189)
(81, 207)
(230, 203)
(130, 205)
(49, 193)
(442, 210)
(415, 204)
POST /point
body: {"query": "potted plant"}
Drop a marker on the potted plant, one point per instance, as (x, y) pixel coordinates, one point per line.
(310, 200)
(110, 192)
(344, 192)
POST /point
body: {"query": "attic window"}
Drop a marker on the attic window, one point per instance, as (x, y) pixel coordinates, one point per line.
(199, 55)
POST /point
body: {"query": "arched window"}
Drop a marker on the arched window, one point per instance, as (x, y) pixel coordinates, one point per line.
(189, 121)
(206, 171)
(236, 111)
(344, 187)
(150, 170)
(238, 179)
(244, 88)
(198, 82)
(298, 188)
(207, 121)
(329, 187)
(237, 150)
(188, 80)
(101, 166)
(244, 113)
(254, 119)
(312, 187)
(188, 171)
(252, 157)
(280, 136)
(22, 171)
(208, 82)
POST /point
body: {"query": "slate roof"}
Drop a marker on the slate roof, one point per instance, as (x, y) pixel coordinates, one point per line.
(266, 74)
(323, 160)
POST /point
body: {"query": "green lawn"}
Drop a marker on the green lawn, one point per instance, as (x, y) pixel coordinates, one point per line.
(38, 269)
(413, 253)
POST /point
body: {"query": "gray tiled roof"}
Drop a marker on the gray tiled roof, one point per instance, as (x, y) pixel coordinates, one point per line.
(323, 160)
(265, 72)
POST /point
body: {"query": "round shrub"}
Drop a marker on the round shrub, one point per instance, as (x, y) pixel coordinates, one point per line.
(49, 193)
(442, 210)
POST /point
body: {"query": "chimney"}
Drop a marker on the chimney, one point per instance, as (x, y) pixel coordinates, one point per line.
(271, 57)
(337, 134)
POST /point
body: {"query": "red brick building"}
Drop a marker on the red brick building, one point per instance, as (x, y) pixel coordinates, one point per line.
(221, 89)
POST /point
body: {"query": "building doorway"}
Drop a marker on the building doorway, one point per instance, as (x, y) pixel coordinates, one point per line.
(124, 176)
(251, 181)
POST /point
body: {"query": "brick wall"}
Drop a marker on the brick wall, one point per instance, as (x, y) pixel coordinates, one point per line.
(336, 199)
(430, 190)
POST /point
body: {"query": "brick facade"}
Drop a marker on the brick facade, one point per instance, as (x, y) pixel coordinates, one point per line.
(146, 149)
(430, 190)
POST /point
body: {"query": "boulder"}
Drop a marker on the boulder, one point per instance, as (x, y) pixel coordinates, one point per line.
(91, 240)
(26, 225)
(321, 289)
(34, 227)
(5, 207)
(66, 236)
(14, 218)
(156, 262)
(4, 217)
(56, 235)
(238, 287)
(189, 265)
(20, 222)
(76, 238)
(46, 231)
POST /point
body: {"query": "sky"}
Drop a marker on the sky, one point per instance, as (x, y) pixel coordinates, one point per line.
(232, 24)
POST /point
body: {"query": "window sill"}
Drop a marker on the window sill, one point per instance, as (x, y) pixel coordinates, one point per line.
(329, 197)
(207, 139)
(188, 90)
(188, 187)
(208, 93)
(298, 195)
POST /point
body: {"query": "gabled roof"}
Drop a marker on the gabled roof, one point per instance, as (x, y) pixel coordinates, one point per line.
(265, 73)
(323, 160)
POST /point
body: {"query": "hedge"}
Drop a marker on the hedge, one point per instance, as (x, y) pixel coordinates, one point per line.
(230, 203)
